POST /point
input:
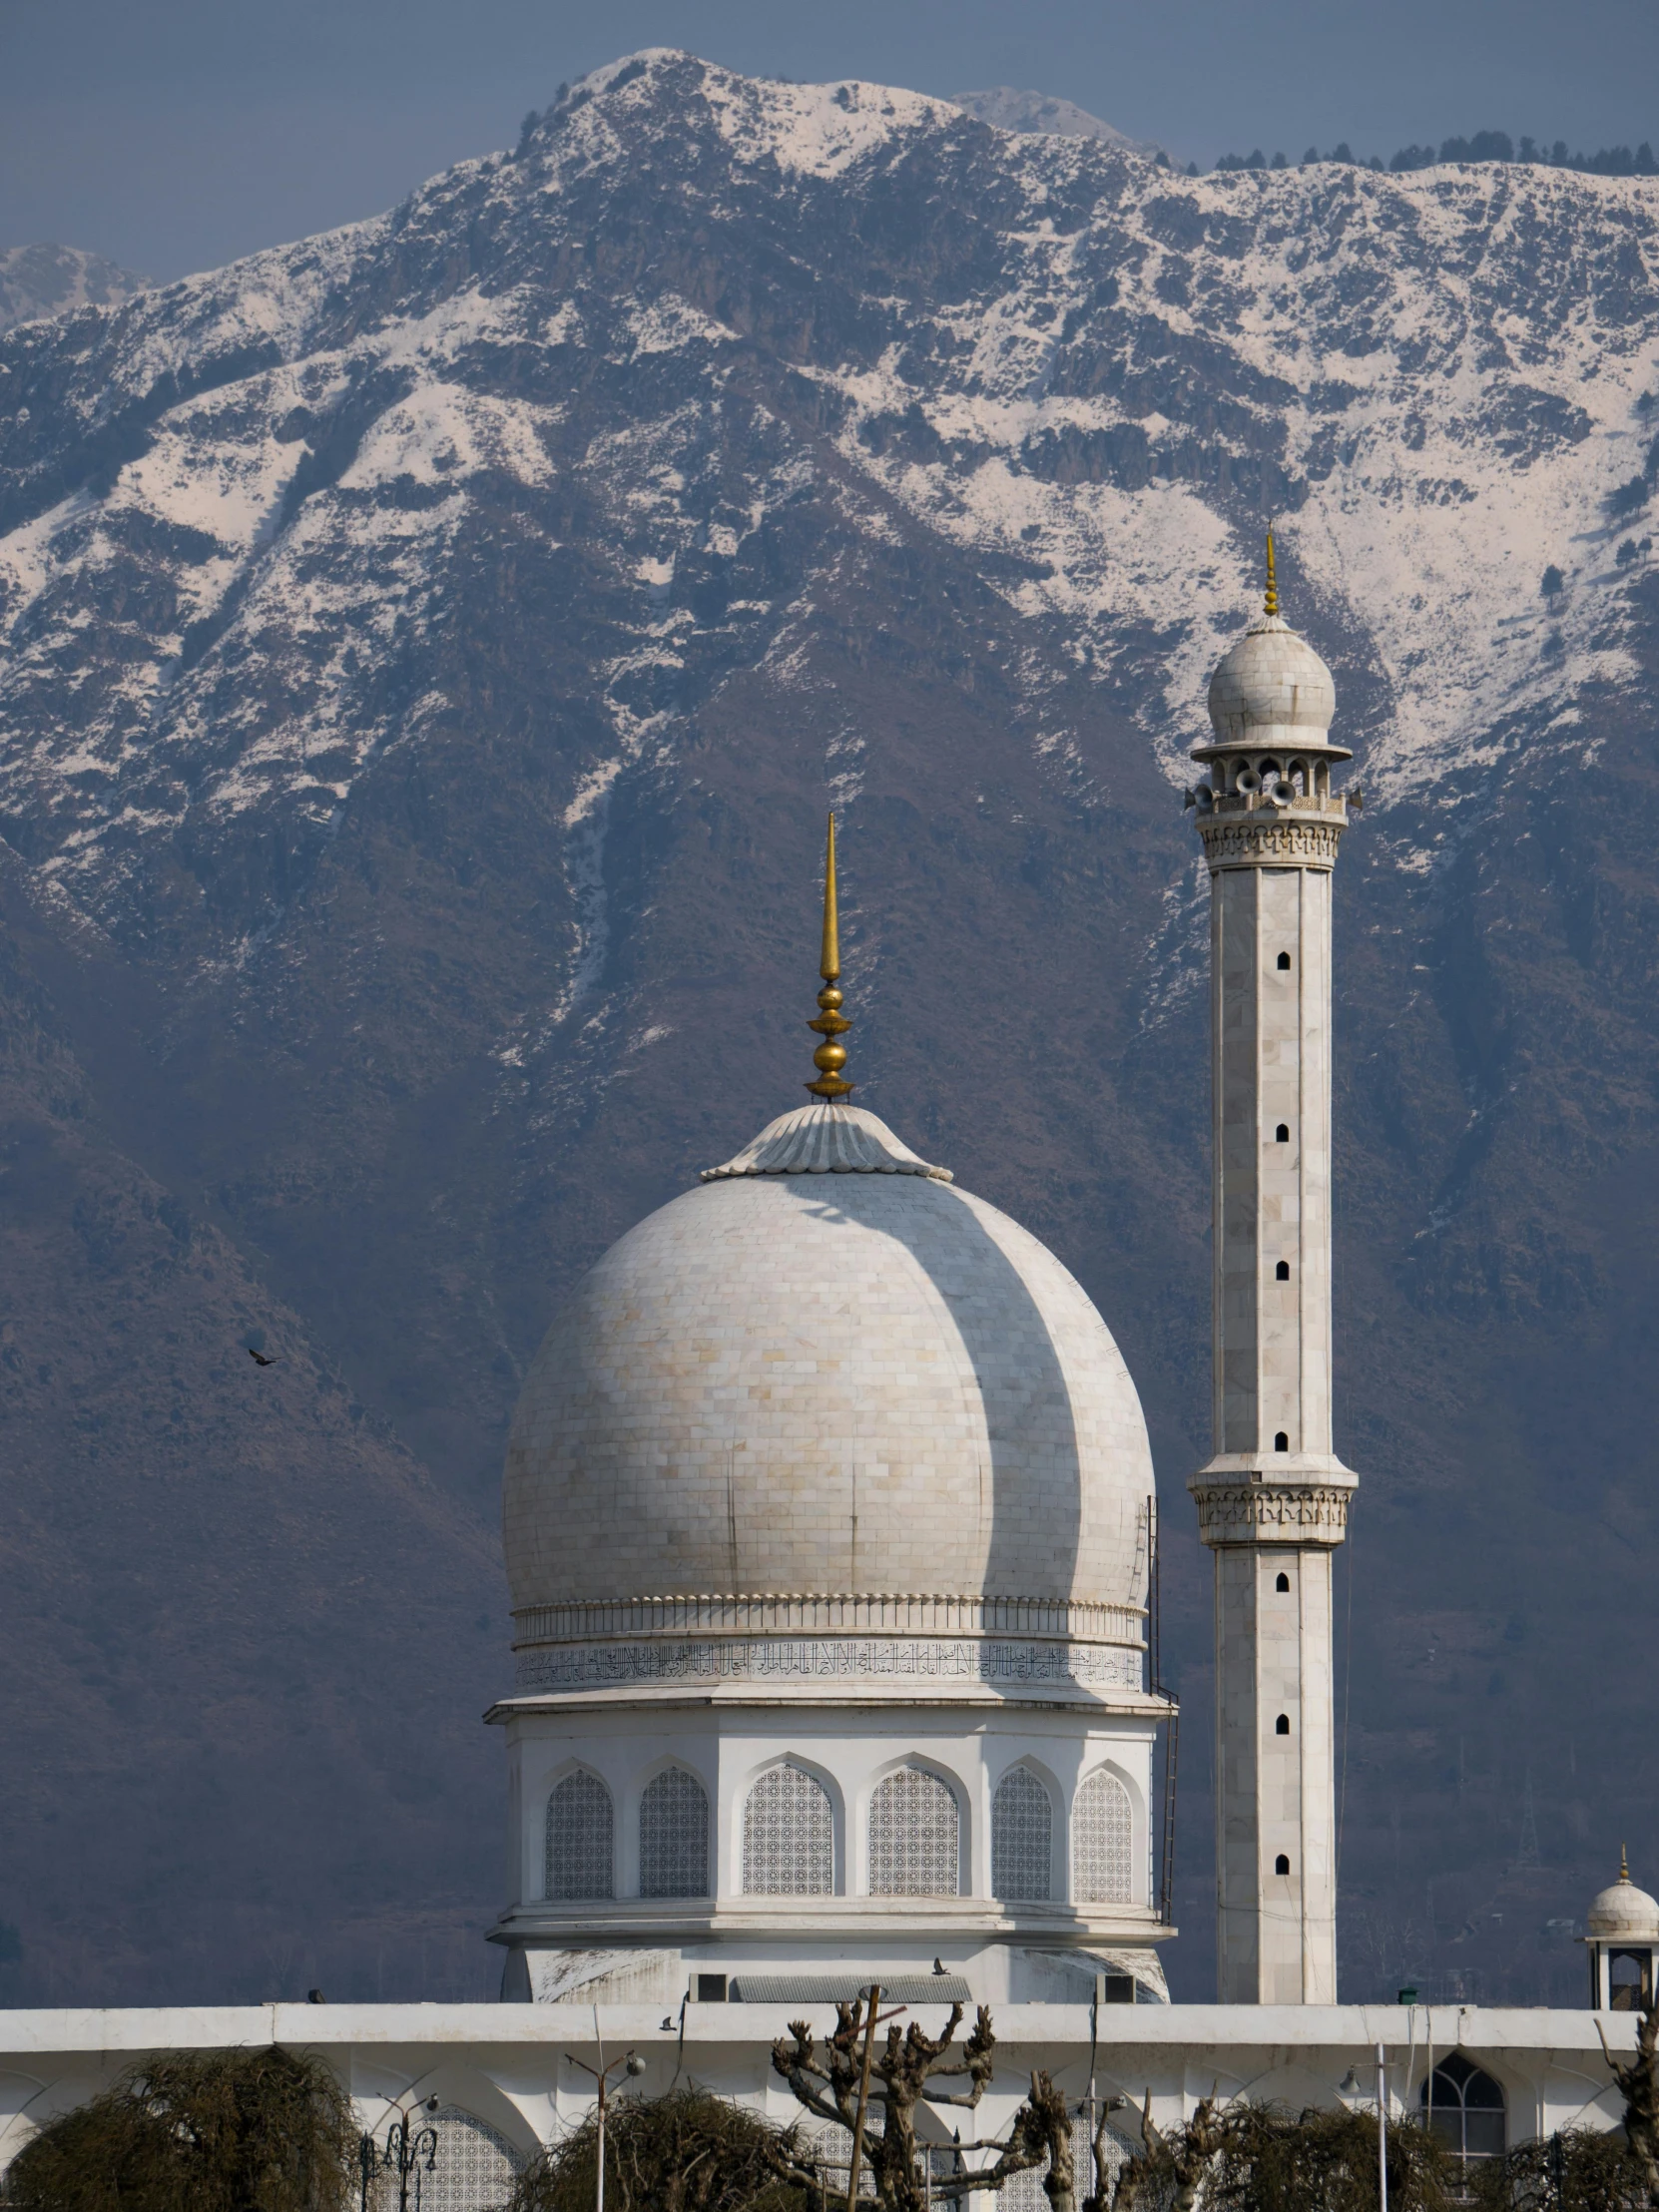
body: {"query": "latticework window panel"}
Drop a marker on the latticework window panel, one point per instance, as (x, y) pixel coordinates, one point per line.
(914, 1837)
(1022, 1836)
(1102, 1842)
(581, 1855)
(831, 2150)
(1024, 2192)
(674, 1836)
(788, 1835)
(473, 2166)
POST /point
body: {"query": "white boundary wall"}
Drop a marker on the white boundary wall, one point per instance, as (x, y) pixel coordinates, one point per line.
(505, 2063)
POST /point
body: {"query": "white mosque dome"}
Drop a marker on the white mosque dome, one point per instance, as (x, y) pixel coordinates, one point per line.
(827, 1371)
(1270, 687)
(1623, 1913)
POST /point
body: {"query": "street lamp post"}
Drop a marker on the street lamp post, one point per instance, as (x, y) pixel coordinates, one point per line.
(403, 2152)
(634, 2065)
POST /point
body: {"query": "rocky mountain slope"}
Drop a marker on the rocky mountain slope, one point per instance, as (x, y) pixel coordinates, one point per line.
(50, 279)
(428, 652)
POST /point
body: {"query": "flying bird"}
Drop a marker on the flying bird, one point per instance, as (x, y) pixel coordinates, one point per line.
(259, 1359)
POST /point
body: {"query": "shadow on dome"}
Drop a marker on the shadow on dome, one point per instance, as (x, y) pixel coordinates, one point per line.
(1036, 1523)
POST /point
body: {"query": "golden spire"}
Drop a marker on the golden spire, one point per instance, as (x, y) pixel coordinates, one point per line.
(1624, 1865)
(1270, 605)
(831, 1056)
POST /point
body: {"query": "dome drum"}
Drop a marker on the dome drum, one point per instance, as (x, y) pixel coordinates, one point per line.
(871, 1646)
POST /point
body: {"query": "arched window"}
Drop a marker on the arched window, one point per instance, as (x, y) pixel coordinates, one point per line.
(1282, 1273)
(580, 1853)
(788, 1835)
(1282, 1441)
(1465, 2108)
(1022, 1836)
(1282, 1865)
(1283, 1583)
(1281, 1726)
(474, 2167)
(1283, 1133)
(1102, 1835)
(674, 1836)
(1284, 959)
(914, 1837)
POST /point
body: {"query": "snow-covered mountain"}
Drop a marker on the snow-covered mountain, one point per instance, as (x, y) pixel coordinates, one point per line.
(53, 279)
(1011, 110)
(428, 650)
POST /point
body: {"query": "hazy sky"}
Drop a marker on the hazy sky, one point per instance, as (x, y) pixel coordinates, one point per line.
(175, 134)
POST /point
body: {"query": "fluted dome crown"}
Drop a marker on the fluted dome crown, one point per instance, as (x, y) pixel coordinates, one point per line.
(823, 1370)
(1270, 689)
(1623, 1913)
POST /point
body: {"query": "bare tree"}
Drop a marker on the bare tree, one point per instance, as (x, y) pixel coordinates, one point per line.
(1041, 2129)
(1171, 2169)
(827, 2083)
(1639, 2085)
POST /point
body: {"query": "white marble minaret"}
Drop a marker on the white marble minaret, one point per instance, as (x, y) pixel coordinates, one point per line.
(1273, 1502)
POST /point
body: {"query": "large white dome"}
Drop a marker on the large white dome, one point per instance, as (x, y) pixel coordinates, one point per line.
(827, 1372)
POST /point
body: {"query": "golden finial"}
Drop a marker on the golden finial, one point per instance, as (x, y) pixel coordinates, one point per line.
(832, 1023)
(1624, 1865)
(1270, 605)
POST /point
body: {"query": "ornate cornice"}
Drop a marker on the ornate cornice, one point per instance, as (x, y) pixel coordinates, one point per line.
(817, 1613)
(820, 1661)
(1270, 840)
(1272, 1512)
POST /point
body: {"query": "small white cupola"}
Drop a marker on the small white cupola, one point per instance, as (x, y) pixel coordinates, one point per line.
(1621, 1932)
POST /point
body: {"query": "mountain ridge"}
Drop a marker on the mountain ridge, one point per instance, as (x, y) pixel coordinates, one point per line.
(429, 649)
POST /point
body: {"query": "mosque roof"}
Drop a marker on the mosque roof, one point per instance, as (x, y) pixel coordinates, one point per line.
(827, 1370)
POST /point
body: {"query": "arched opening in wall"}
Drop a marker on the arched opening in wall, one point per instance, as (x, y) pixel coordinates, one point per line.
(581, 1840)
(1281, 1134)
(1282, 1273)
(1282, 1865)
(1463, 2107)
(1102, 1841)
(674, 1836)
(1283, 1583)
(1282, 1441)
(914, 1836)
(474, 2167)
(788, 1835)
(1281, 1726)
(1022, 1838)
(1284, 959)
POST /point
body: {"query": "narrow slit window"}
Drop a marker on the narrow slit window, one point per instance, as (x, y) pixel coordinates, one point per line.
(1284, 959)
(1282, 1273)
(1283, 1583)
(1282, 1441)
(1283, 1134)
(1282, 1865)
(1281, 1726)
